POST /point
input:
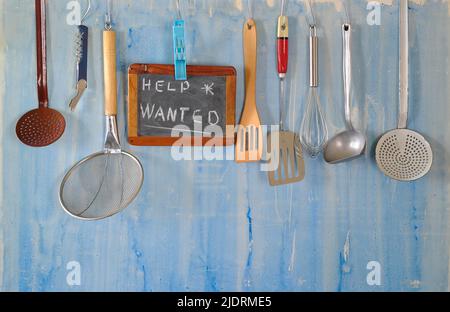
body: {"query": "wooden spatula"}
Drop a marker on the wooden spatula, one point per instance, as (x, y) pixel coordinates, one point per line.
(249, 142)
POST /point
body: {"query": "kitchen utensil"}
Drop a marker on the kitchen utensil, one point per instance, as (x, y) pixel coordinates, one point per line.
(350, 143)
(43, 126)
(179, 45)
(291, 166)
(81, 54)
(314, 130)
(249, 141)
(403, 154)
(104, 183)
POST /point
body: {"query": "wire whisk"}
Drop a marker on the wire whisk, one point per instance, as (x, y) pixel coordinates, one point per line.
(314, 130)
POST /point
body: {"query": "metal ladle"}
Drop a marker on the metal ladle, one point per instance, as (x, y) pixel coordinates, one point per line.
(350, 143)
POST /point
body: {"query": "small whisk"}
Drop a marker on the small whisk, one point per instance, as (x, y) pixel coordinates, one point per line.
(314, 130)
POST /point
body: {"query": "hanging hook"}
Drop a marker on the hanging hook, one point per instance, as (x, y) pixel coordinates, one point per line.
(108, 18)
(179, 15)
(87, 12)
(313, 16)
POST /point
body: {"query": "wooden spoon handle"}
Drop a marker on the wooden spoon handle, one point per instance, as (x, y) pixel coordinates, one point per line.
(250, 61)
(41, 52)
(110, 76)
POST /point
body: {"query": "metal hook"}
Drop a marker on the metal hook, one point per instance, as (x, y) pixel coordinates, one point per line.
(108, 19)
(311, 10)
(87, 12)
(180, 16)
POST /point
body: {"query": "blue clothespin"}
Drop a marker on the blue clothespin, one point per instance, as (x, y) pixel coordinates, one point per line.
(179, 50)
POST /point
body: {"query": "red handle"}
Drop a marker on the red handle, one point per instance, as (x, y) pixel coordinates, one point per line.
(41, 52)
(283, 55)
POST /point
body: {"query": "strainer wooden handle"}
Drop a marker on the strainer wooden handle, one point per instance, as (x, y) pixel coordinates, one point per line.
(110, 76)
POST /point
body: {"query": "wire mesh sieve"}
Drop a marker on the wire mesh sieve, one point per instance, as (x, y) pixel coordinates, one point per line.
(101, 185)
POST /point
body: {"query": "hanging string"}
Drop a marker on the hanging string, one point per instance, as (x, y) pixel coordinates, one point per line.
(180, 17)
(283, 7)
(250, 8)
(347, 15)
(313, 16)
(108, 18)
(87, 12)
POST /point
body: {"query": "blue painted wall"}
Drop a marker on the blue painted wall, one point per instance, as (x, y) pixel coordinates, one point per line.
(218, 226)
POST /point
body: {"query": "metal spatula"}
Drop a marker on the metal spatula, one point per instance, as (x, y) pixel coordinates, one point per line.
(249, 142)
(291, 166)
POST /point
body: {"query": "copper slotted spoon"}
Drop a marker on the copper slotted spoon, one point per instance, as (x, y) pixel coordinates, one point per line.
(43, 126)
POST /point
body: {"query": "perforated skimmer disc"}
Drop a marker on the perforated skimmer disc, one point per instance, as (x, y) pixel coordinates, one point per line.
(404, 155)
(40, 127)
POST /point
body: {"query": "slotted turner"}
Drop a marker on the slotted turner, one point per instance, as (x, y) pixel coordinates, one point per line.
(288, 151)
(249, 141)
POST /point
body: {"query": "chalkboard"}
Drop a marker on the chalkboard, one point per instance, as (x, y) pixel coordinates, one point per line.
(158, 104)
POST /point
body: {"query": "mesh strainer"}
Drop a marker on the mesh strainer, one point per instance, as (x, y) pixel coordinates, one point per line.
(105, 183)
(403, 154)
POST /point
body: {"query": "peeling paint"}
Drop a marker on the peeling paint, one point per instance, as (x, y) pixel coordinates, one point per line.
(347, 248)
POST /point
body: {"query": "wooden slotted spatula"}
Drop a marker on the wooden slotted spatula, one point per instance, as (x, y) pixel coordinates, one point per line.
(291, 165)
(249, 142)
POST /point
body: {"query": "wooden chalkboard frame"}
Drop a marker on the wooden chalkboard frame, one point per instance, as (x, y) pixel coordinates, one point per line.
(157, 69)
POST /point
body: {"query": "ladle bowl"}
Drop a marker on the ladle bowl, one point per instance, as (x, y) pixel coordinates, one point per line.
(345, 146)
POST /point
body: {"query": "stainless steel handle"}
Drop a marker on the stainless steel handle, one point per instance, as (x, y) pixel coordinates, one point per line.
(313, 58)
(282, 99)
(347, 73)
(404, 65)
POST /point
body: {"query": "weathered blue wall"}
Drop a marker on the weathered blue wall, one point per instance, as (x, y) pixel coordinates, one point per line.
(218, 226)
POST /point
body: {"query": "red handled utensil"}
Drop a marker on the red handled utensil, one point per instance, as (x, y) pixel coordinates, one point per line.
(288, 153)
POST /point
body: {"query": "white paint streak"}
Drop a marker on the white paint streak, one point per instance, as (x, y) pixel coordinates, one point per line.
(293, 251)
(346, 267)
(347, 248)
(2, 96)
